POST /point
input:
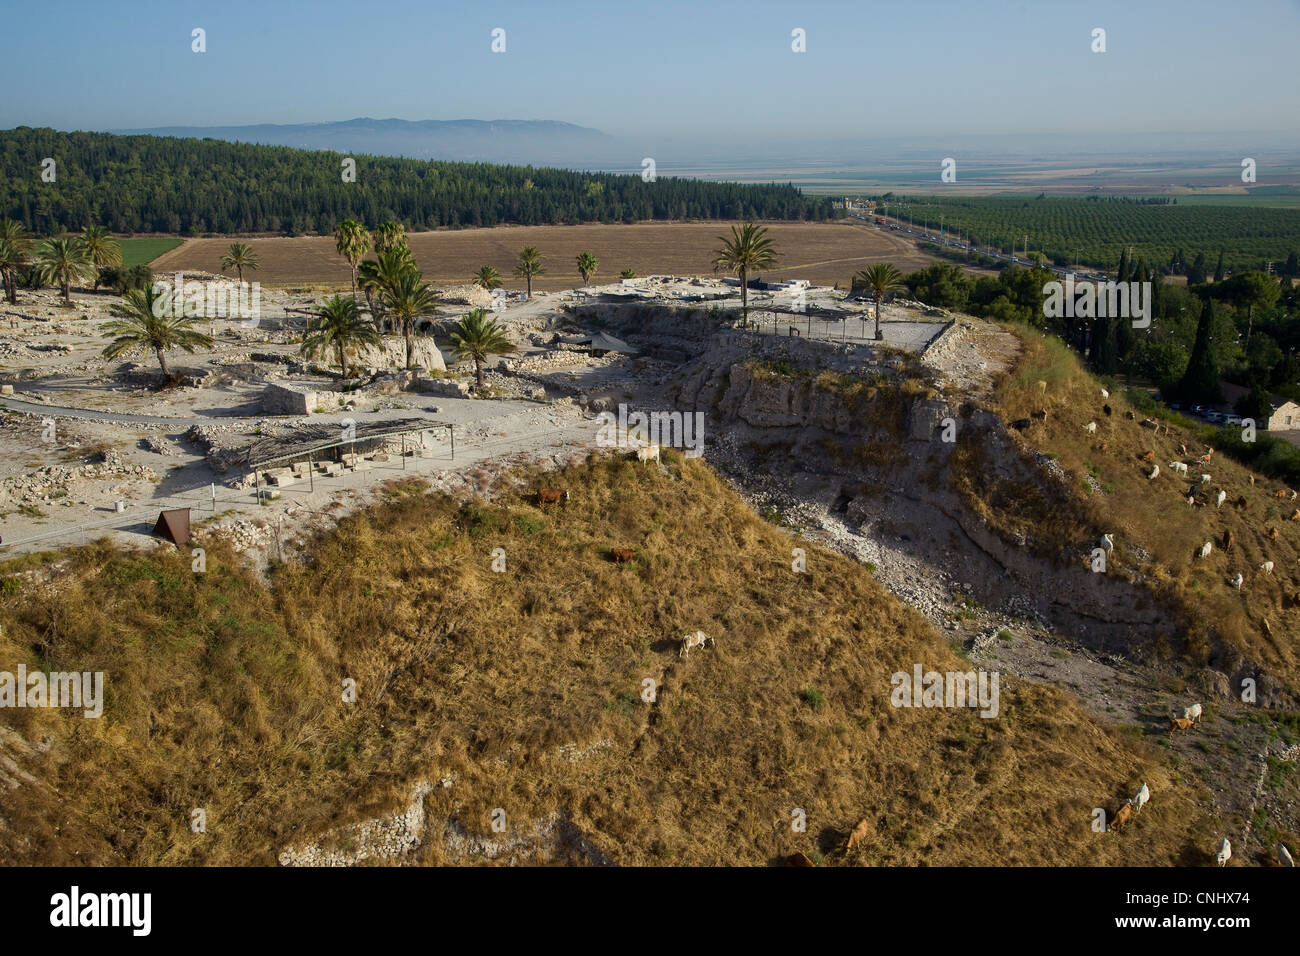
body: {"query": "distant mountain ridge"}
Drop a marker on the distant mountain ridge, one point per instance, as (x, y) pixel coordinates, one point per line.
(528, 142)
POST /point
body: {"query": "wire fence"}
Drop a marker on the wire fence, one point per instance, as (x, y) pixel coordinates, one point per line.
(213, 499)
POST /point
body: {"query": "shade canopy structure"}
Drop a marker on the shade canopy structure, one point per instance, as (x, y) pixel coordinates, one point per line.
(602, 342)
(173, 526)
(313, 439)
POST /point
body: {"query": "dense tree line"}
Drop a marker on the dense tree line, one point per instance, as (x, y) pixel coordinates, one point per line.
(191, 186)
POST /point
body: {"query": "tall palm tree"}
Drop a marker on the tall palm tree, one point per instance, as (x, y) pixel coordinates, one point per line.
(63, 262)
(137, 327)
(408, 298)
(880, 279)
(530, 264)
(748, 250)
(389, 235)
(15, 252)
(352, 239)
(487, 278)
(338, 326)
(382, 272)
(587, 266)
(477, 337)
(240, 257)
(102, 248)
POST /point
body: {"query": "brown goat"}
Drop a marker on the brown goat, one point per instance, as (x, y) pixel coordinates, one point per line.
(551, 496)
(1123, 817)
(622, 555)
(859, 834)
(1180, 723)
(1228, 539)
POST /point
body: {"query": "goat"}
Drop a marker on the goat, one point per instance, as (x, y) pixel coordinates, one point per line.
(1295, 515)
(697, 639)
(1142, 798)
(1237, 580)
(1206, 550)
(1284, 855)
(1130, 415)
(1149, 457)
(1042, 386)
(1123, 817)
(1020, 424)
(1273, 533)
(1241, 501)
(1205, 479)
(1041, 414)
(1179, 466)
(1192, 713)
(859, 834)
(1220, 498)
(1225, 852)
(1105, 394)
(1280, 494)
(551, 496)
(1179, 723)
(1155, 472)
(1228, 540)
(1267, 567)
(622, 555)
(1108, 543)
(1091, 427)
(1107, 410)
(648, 453)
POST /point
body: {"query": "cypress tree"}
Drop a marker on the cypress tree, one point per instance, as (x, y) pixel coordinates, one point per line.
(1201, 380)
(1218, 269)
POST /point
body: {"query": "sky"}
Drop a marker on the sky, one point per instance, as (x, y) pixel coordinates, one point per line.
(648, 70)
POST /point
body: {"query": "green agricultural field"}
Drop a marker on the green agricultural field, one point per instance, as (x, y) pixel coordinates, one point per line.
(138, 251)
(1095, 231)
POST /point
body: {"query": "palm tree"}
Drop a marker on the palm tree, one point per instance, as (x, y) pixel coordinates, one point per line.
(476, 336)
(382, 272)
(389, 235)
(587, 266)
(530, 264)
(407, 298)
(240, 257)
(102, 248)
(15, 252)
(138, 326)
(487, 278)
(880, 279)
(352, 239)
(748, 250)
(339, 326)
(63, 262)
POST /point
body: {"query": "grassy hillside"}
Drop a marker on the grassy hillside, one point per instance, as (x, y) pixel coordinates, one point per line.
(224, 694)
(1157, 533)
(143, 251)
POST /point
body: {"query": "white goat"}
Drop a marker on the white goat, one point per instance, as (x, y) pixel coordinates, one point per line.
(1142, 798)
(1092, 427)
(1192, 713)
(1206, 549)
(1267, 567)
(1284, 855)
(698, 639)
(1108, 543)
(1205, 479)
(1225, 852)
(1220, 498)
(648, 453)
(1179, 466)
(1238, 580)
(1105, 394)
(1155, 472)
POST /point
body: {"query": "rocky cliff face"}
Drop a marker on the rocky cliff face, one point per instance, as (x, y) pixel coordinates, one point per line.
(392, 354)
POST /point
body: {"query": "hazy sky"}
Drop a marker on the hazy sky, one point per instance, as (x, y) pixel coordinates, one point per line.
(697, 69)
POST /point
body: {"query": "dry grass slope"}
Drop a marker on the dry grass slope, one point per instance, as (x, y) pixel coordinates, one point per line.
(225, 694)
(1157, 533)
